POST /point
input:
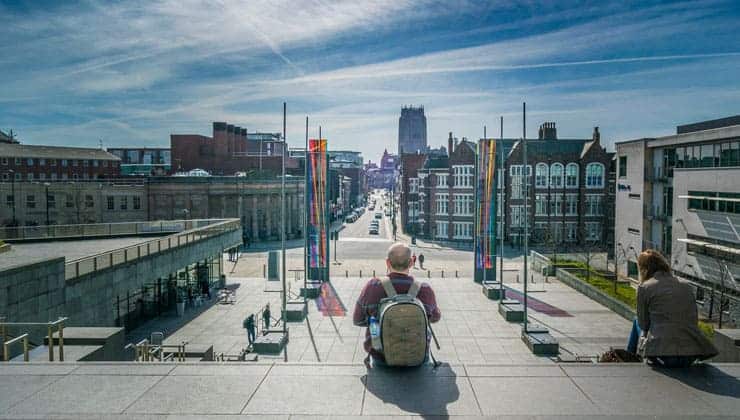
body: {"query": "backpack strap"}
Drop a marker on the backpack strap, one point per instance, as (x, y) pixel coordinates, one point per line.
(414, 289)
(390, 291)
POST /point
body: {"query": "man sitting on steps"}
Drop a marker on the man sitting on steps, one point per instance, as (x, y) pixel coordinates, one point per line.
(398, 263)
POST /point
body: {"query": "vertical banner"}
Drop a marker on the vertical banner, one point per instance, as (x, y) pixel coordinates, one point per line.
(317, 254)
(485, 212)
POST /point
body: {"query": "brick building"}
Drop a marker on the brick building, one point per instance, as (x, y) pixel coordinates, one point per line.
(569, 195)
(21, 162)
(230, 150)
(143, 161)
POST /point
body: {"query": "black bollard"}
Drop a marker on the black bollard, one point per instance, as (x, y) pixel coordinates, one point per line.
(373, 273)
(456, 276)
(517, 278)
(346, 273)
(443, 274)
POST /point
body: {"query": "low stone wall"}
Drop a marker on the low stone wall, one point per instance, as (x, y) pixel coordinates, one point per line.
(595, 294)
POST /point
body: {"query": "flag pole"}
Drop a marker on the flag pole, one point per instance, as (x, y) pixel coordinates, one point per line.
(282, 234)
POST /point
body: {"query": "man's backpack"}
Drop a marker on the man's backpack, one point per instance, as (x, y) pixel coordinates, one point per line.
(404, 326)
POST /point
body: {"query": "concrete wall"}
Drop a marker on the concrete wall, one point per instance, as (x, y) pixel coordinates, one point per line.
(629, 223)
(39, 293)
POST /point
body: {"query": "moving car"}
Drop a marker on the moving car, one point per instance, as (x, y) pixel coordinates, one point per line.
(373, 230)
(378, 215)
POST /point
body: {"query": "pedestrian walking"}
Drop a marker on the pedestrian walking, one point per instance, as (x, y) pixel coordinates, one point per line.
(413, 259)
(266, 318)
(248, 324)
(421, 261)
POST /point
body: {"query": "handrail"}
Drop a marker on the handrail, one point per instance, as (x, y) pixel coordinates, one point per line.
(146, 352)
(104, 260)
(59, 324)
(6, 345)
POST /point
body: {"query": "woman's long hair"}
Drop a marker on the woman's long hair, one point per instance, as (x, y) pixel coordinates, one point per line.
(650, 262)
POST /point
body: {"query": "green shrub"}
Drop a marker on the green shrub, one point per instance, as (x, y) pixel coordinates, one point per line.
(625, 293)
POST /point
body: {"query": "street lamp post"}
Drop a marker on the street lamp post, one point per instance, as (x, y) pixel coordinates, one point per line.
(46, 188)
(12, 187)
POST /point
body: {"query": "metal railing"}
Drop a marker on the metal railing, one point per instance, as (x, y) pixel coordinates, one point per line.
(7, 344)
(100, 229)
(194, 231)
(59, 324)
(148, 352)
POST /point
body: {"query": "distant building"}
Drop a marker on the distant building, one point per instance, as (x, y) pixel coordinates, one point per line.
(568, 196)
(383, 176)
(144, 161)
(348, 164)
(680, 194)
(230, 150)
(412, 130)
(21, 162)
(7, 137)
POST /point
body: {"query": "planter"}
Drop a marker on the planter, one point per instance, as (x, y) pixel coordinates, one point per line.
(180, 308)
(616, 306)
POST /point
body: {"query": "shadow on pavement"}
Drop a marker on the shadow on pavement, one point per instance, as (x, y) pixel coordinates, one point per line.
(423, 391)
(706, 378)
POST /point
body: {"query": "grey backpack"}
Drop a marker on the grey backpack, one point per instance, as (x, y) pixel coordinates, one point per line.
(404, 326)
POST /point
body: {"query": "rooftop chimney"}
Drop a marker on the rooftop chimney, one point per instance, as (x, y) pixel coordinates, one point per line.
(547, 131)
(596, 135)
(449, 144)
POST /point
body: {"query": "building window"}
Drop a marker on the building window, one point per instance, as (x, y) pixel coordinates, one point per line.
(463, 204)
(713, 201)
(69, 201)
(593, 231)
(442, 180)
(54, 177)
(442, 229)
(29, 162)
(556, 204)
(105, 164)
(571, 231)
(89, 202)
(53, 162)
(594, 175)
(10, 201)
(571, 204)
(42, 162)
(124, 203)
(571, 175)
(556, 175)
(593, 205)
(65, 176)
(18, 161)
(632, 269)
(517, 182)
(137, 202)
(413, 185)
(622, 166)
(111, 202)
(4, 161)
(463, 176)
(75, 162)
(541, 175)
(42, 176)
(51, 201)
(441, 204)
(85, 163)
(75, 176)
(31, 201)
(6, 176)
(30, 176)
(95, 163)
(64, 163)
(462, 230)
(517, 215)
(540, 207)
(18, 176)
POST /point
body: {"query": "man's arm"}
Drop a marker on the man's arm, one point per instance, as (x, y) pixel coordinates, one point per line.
(359, 318)
(426, 296)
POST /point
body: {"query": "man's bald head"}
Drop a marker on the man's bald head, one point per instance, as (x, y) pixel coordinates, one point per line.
(399, 257)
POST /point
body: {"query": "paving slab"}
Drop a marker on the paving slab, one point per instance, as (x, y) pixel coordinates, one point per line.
(155, 369)
(74, 394)
(308, 395)
(197, 395)
(226, 369)
(531, 396)
(16, 388)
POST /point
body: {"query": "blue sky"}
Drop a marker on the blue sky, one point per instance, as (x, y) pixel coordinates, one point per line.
(129, 73)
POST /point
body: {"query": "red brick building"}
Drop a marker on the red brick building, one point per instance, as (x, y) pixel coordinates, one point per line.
(230, 150)
(21, 162)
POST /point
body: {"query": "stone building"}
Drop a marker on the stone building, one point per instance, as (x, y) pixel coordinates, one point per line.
(568, 194)
(256, 202)
(412, 130)
(23, 162)
(229, 151)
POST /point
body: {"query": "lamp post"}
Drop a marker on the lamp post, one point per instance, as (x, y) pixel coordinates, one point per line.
(12, 187)
(46, 188)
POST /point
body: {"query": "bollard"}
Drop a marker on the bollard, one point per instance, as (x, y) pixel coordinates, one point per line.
(346, 273)
(373, 273)
(429, 274)
(532, 278)
(360, 273)
(443, 274)
(456, 276)
(517, 278)
(264, 270)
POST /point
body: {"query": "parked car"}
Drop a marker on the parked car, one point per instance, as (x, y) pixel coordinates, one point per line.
(350, 219)
(372, 230)
(378, 215)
